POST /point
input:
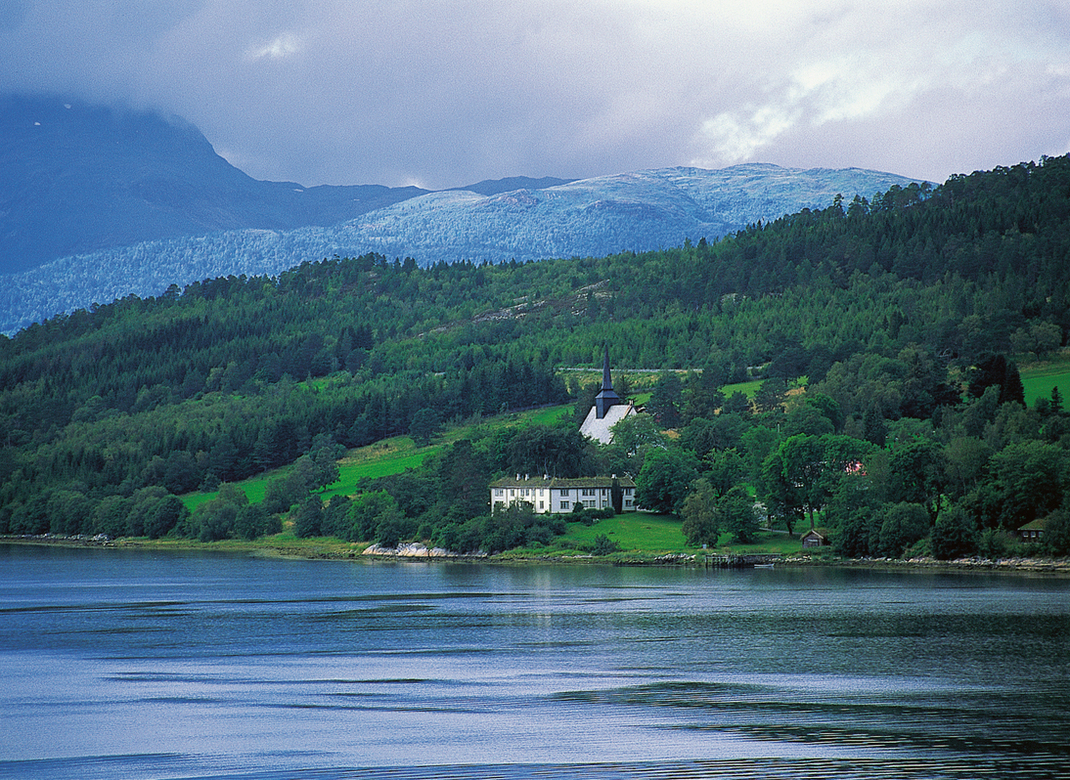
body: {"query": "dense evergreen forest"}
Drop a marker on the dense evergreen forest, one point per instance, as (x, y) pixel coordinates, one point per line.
(903, 315)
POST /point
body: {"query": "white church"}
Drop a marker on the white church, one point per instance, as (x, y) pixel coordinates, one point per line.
(608, 410)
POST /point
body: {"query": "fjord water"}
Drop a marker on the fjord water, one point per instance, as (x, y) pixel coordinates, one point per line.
(141, 664)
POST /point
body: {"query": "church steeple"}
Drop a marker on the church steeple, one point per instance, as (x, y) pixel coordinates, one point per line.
(607, 397)
(607, 380)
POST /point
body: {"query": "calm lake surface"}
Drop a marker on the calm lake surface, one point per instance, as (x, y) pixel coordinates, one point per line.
(137, 664)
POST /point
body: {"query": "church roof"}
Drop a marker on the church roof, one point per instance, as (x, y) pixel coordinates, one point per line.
(599, 428)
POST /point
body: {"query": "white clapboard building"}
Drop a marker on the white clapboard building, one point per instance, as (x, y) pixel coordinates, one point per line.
(555, 496)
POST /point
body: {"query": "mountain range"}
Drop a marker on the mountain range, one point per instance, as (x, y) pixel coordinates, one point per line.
(97, 203)
(79, 178)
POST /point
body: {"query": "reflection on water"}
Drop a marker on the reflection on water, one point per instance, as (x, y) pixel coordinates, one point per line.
(141, 664)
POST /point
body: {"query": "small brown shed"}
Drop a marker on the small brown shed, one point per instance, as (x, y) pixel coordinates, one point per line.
(1034, 531)
(815, 537)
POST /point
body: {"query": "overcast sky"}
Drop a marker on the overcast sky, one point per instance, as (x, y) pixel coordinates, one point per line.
(442, 93)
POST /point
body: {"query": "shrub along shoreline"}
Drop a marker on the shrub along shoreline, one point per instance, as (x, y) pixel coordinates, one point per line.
(287, 546)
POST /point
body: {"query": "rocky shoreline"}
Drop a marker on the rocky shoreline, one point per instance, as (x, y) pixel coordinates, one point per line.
(1049, 565)
(417, 550)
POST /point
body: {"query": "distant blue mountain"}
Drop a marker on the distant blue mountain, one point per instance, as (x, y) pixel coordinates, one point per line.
(77, 178)
(593, 217)
(97, 204)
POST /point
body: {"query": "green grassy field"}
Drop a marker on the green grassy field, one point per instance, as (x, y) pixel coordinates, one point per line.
(747, 388)
(1039, 378)
(403, 455)
(645, 535)
(633, 531)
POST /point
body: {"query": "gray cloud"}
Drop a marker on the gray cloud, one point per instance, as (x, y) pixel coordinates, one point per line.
(440, 94)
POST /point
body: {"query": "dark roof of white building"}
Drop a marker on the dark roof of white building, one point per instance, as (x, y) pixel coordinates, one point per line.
(556, 482)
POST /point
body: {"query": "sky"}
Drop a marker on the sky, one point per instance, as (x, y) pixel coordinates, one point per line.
(442, 93)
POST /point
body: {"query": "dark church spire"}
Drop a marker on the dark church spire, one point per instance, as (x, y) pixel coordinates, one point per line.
(607, 397)
(607, 380)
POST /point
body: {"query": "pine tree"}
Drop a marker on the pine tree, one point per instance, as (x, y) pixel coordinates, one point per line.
(1013, 390)
(874, 428)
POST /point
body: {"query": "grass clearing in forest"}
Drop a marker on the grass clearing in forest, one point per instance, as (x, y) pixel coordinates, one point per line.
(390, 456)
(402, 454)
(747, 388)
(1039, 378)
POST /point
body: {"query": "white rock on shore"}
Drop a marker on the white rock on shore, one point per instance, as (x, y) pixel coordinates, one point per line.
(410, 550)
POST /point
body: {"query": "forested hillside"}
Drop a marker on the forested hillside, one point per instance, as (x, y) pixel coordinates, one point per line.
(903, 314)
